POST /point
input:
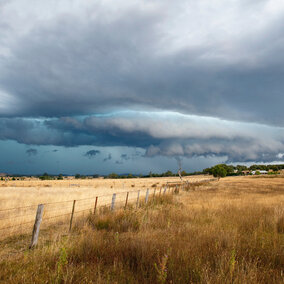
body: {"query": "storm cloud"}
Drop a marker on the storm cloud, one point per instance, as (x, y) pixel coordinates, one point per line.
(92, 153)
(159, 133)
(31, 152)
(183, 78)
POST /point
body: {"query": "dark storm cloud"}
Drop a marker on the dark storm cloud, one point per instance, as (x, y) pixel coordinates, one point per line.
(166, 134)
(92, 153)
(79, 63)
(31, 152)
(218, 62)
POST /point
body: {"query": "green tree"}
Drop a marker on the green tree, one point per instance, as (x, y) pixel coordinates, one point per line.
(113, 175)
(219, 171)
(60, 177)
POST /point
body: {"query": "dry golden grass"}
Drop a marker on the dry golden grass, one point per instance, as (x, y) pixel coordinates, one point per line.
(231, 231)
(23, 193)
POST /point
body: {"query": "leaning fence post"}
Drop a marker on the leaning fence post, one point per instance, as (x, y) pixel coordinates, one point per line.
(96, 202)
(72, 214)
(137, 202)
(113, 201)
(38, 219)
(126, 200)
(147, 196)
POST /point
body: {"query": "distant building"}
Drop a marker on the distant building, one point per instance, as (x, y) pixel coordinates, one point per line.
(260, 171)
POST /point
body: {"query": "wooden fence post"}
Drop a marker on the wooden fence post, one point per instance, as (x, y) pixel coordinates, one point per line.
(126, 200)
(147, 196)
(165, 189)
(160, 191)
(113, 201)
(137, 202)
(96, 202)
(72, 214)
(38, 219)
(154, 194)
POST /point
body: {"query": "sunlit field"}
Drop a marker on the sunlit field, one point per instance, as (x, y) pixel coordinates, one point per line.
(226, 231)
(19, 199)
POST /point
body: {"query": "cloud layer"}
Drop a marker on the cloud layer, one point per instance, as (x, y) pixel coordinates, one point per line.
(159, 133)
(218, 58)
(199, 78)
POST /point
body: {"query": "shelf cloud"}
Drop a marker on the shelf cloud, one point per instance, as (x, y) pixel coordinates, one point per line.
(159, 133)
(183, 78)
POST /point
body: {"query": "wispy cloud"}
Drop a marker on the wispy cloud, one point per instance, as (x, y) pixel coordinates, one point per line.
(108, 158)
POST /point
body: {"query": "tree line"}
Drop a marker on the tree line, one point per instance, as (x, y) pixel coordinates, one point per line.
(220, 170)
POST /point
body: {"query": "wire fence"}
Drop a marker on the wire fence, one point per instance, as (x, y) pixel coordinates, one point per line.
(21, 220)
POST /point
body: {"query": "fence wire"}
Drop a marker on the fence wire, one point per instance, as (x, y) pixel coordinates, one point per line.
(52, 212)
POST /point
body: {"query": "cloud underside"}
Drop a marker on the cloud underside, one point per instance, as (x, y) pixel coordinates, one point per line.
(168, 134)
(200, 78)
(217, 59)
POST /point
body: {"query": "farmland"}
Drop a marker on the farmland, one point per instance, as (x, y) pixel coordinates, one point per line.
(19, 199)
(226, 231)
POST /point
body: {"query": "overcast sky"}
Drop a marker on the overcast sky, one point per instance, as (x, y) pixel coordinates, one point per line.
(133, 86)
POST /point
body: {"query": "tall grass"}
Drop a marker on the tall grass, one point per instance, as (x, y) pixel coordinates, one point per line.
(215, 235)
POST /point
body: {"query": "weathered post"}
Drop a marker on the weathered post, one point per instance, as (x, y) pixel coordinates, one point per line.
(137, 202)
(147, 196)
(96, 202)
(37, 223)
(113, 201)
(154, 194)
(72, 214)
(165, 189)
(160, 191)
(126, 200)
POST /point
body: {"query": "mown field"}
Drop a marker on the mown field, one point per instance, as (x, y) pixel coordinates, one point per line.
(227, 231)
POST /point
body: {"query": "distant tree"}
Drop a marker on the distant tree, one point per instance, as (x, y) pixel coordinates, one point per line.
(77, 176)
(168, 174)
(113, 175)
(60, 177)
(219, 171)
(45, 176)
(207, 171)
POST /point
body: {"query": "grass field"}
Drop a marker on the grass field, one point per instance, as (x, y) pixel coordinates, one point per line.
(19, 199)
(227, 231)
